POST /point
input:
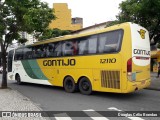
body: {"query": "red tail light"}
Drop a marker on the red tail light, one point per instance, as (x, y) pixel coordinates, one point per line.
(129, 65)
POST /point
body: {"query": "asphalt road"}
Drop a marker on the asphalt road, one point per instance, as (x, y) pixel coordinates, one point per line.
(51, 98)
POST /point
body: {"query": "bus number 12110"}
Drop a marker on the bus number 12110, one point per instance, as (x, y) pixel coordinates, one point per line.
(109, 60)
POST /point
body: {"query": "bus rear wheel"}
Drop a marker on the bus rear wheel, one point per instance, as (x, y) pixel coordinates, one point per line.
(18, 79)
(69, 84)
(85, 86)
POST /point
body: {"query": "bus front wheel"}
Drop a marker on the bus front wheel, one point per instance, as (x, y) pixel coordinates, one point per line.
(85, 86)
(69, 84)
(18, 79)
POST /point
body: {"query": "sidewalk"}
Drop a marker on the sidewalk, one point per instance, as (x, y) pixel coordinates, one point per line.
(11, 100)
(155, 82)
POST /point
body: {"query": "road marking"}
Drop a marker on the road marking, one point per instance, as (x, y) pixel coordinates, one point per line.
(59, 116)
(94, 113)
(132, 118)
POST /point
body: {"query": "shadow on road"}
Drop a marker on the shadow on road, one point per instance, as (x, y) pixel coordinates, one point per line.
(39, 86)
(127, 96)
(120, 96)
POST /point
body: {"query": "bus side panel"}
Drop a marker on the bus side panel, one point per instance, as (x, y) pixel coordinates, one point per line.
(108, 76)
(75, 74)
(29, 72)
(88, 66)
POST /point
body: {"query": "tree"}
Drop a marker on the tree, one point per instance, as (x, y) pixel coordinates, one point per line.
(51, 33)
(143, 12)
(31, 16)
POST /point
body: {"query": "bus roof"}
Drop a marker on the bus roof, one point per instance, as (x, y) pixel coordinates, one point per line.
(67, 37)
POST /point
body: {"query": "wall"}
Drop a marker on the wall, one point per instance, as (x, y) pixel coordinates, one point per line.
(63, 20)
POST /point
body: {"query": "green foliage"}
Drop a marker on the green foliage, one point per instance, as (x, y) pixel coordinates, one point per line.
(23, 15)
(143, 12)
(30, 16)
(38, 18)
(51, 33)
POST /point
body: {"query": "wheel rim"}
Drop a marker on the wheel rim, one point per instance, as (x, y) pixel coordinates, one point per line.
(18, 79)
(69, 84)
(85, 86)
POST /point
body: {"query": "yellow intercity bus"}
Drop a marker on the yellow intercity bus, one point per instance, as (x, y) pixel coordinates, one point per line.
(114, 59)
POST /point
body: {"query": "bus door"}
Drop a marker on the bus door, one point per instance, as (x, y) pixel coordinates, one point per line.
(10, 64)
(10, 60)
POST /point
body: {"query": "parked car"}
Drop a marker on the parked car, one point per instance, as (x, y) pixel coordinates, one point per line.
(1, 69)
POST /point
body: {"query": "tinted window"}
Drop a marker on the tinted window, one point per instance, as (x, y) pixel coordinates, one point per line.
(53, 49)
(39, 51)
(50, 47)
(110, 41)
(92, 44)
(18, 54)
(58, 49)
(27, 53)
(69, 48)
(82, 46)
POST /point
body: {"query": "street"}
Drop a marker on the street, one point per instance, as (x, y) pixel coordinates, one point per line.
(51, 98)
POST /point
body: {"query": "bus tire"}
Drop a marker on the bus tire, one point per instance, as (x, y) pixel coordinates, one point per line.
(69, 84)
(85, 86)
(18, 79)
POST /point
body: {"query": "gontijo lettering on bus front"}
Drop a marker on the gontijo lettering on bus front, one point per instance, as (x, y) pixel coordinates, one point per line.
(59, 62)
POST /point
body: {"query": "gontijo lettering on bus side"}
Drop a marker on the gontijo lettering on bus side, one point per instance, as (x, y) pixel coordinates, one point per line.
(59, 62)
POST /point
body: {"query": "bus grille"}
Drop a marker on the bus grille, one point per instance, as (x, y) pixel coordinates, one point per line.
(110, 79)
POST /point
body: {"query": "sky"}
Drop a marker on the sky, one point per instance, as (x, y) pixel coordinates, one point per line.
(92, 11)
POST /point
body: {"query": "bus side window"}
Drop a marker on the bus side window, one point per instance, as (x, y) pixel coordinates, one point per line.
(18, 54)
(27, 53)
(92, 45)
(58, 49)
(39, 51)
(50, 50)
(109, 42)
(42, 51)
(75, 47)
(82, 47)
(102, 43)
(68, 48)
